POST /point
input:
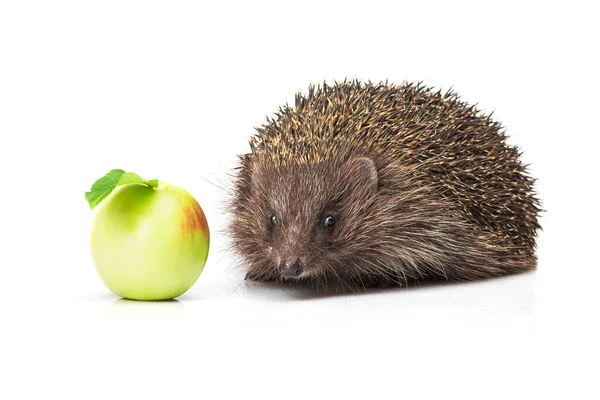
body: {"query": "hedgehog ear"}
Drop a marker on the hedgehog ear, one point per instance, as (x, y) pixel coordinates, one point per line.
(363, 173)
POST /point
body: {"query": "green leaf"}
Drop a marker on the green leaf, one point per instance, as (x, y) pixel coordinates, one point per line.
(116, 177)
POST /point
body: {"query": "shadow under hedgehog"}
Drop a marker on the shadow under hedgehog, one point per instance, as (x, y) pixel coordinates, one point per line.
(382, 184)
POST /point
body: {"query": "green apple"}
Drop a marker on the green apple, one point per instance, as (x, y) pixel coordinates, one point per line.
(149, 239)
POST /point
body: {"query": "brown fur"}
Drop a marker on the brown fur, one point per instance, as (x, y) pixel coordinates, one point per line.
(420, 184)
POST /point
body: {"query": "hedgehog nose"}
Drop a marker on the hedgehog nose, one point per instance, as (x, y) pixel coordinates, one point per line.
(291, 268)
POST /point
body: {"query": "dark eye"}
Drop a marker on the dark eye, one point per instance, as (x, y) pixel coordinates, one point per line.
(273, 220)
(328, 222)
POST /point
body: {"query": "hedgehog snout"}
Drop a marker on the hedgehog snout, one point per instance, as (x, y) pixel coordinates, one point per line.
(291, 268)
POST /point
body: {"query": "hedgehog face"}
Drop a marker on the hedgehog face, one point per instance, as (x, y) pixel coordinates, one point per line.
(303, 222)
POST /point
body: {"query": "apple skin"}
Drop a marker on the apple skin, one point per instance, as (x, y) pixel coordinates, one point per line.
(149, 244)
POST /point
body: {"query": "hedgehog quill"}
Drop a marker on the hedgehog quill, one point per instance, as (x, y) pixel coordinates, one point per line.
(379, 184)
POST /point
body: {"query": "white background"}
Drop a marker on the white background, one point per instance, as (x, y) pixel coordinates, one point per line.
(173, 90)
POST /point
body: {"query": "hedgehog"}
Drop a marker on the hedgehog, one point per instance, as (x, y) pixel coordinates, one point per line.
(368, 184)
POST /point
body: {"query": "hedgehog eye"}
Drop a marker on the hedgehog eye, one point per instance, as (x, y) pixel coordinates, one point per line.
(328, 222)
(273, 220)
